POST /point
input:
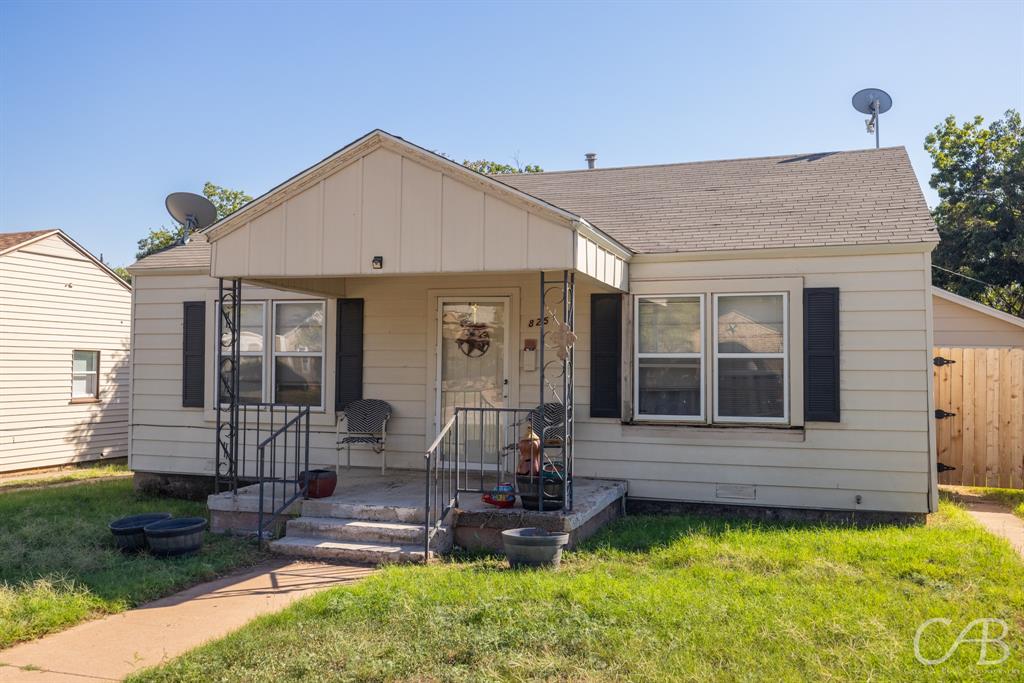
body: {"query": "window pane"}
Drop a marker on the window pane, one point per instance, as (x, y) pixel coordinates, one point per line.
(251, 337)
(669, 386)
(298, 327)
(298, 380)
(83, 386)
(250, 379)
(251, 333)
(750, 387)
(750, 324)
(84, 361)
(669, 325)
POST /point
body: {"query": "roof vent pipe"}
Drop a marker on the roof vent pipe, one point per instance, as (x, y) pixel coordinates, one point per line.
(591, 159)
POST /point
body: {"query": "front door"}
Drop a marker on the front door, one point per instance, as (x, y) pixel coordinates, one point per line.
(472, 354)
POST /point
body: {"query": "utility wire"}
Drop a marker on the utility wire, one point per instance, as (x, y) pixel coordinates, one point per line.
(997, 289)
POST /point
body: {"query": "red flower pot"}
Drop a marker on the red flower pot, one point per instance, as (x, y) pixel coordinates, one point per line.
(319, 483)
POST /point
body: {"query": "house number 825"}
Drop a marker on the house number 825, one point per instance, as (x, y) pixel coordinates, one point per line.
(535, 322)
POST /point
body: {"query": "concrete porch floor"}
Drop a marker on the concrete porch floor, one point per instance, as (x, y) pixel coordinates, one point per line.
(399, 495)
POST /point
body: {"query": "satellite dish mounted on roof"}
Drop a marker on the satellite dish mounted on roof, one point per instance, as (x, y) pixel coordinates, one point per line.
(193, 211)
(875, 102)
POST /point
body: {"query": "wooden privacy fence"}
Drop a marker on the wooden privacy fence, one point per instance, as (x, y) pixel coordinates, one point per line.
(984, 440)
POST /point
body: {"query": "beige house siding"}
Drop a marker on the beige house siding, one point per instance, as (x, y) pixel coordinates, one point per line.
(880, 452)
(55, 300)
(400, 321)
(959, 324)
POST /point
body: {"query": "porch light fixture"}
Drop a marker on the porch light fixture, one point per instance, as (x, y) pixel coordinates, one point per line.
(377, 263)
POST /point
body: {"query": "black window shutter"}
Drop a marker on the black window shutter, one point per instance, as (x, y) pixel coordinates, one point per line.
(193, 359)
(348, 369)
(605, 355)
(821, 354)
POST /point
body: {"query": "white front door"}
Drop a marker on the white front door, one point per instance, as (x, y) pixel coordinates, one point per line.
(473, 354)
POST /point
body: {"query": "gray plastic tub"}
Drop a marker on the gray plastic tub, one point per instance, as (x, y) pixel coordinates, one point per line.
(129, 531)
(533, 547)
(179, 536)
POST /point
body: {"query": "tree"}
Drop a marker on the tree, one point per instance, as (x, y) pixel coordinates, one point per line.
(226, 201)
(488, 167)
(123, 273)
(979, 175)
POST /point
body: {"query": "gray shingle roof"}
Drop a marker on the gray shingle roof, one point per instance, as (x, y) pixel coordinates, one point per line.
(194, 254)
(828, 199)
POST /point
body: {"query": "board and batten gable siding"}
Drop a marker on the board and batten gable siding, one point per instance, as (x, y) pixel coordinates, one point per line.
(419, 219)
(881, 450)
(958, 325)
(54, 300)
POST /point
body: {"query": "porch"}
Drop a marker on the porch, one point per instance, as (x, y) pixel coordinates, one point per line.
(374, 517)
(465, 371)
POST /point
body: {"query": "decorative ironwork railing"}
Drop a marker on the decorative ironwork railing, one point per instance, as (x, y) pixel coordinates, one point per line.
(282, 465)
(479, 448)
(262, 444)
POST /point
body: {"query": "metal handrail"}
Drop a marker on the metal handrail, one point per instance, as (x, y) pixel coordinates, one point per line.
(299, 423)
(435, 458)
(441, 435)
(476, 445)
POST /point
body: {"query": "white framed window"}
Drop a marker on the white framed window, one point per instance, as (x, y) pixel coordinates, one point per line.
(85, 374)
(669, 357)
(751, 357)
(252, 350)
(298, 352)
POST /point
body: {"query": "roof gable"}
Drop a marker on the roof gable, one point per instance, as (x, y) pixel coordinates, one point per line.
(977, 307)
(22, 240)
(9, 241)
(416, 211)
(364, 146)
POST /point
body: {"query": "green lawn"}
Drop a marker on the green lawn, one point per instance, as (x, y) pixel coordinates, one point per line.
(655, 598)
(65, 476)
(59, 566)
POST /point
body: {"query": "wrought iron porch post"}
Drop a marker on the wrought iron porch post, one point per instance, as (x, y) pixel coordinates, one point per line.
(567, 284)
(229, 314)
(569, 394)
(542, 383)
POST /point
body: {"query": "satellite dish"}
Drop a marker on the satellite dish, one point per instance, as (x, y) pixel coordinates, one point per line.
(193, 211)
(874, 102)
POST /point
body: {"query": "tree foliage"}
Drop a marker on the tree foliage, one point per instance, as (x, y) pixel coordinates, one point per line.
(979, 175)
(224, 199)
(488, 167)
(123, 273)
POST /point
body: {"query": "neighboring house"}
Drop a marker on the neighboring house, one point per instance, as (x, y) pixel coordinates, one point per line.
(960, 321)
(64, 345)
(752, 331)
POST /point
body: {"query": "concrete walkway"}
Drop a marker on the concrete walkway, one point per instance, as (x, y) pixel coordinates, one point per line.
(116, 646)
(998, 520)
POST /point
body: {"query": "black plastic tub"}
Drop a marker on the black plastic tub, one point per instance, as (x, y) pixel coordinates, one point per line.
(180, 536)
(129, 531)
(534, 547)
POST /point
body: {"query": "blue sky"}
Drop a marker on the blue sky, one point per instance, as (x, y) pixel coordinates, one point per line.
(107, 107)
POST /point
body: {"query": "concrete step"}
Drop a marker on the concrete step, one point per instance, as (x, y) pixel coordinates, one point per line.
(355, 530)
(366, 552)
(327, 507)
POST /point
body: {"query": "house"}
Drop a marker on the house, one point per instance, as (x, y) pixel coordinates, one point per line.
(746, 332)
(960, 321)
(64, 346)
